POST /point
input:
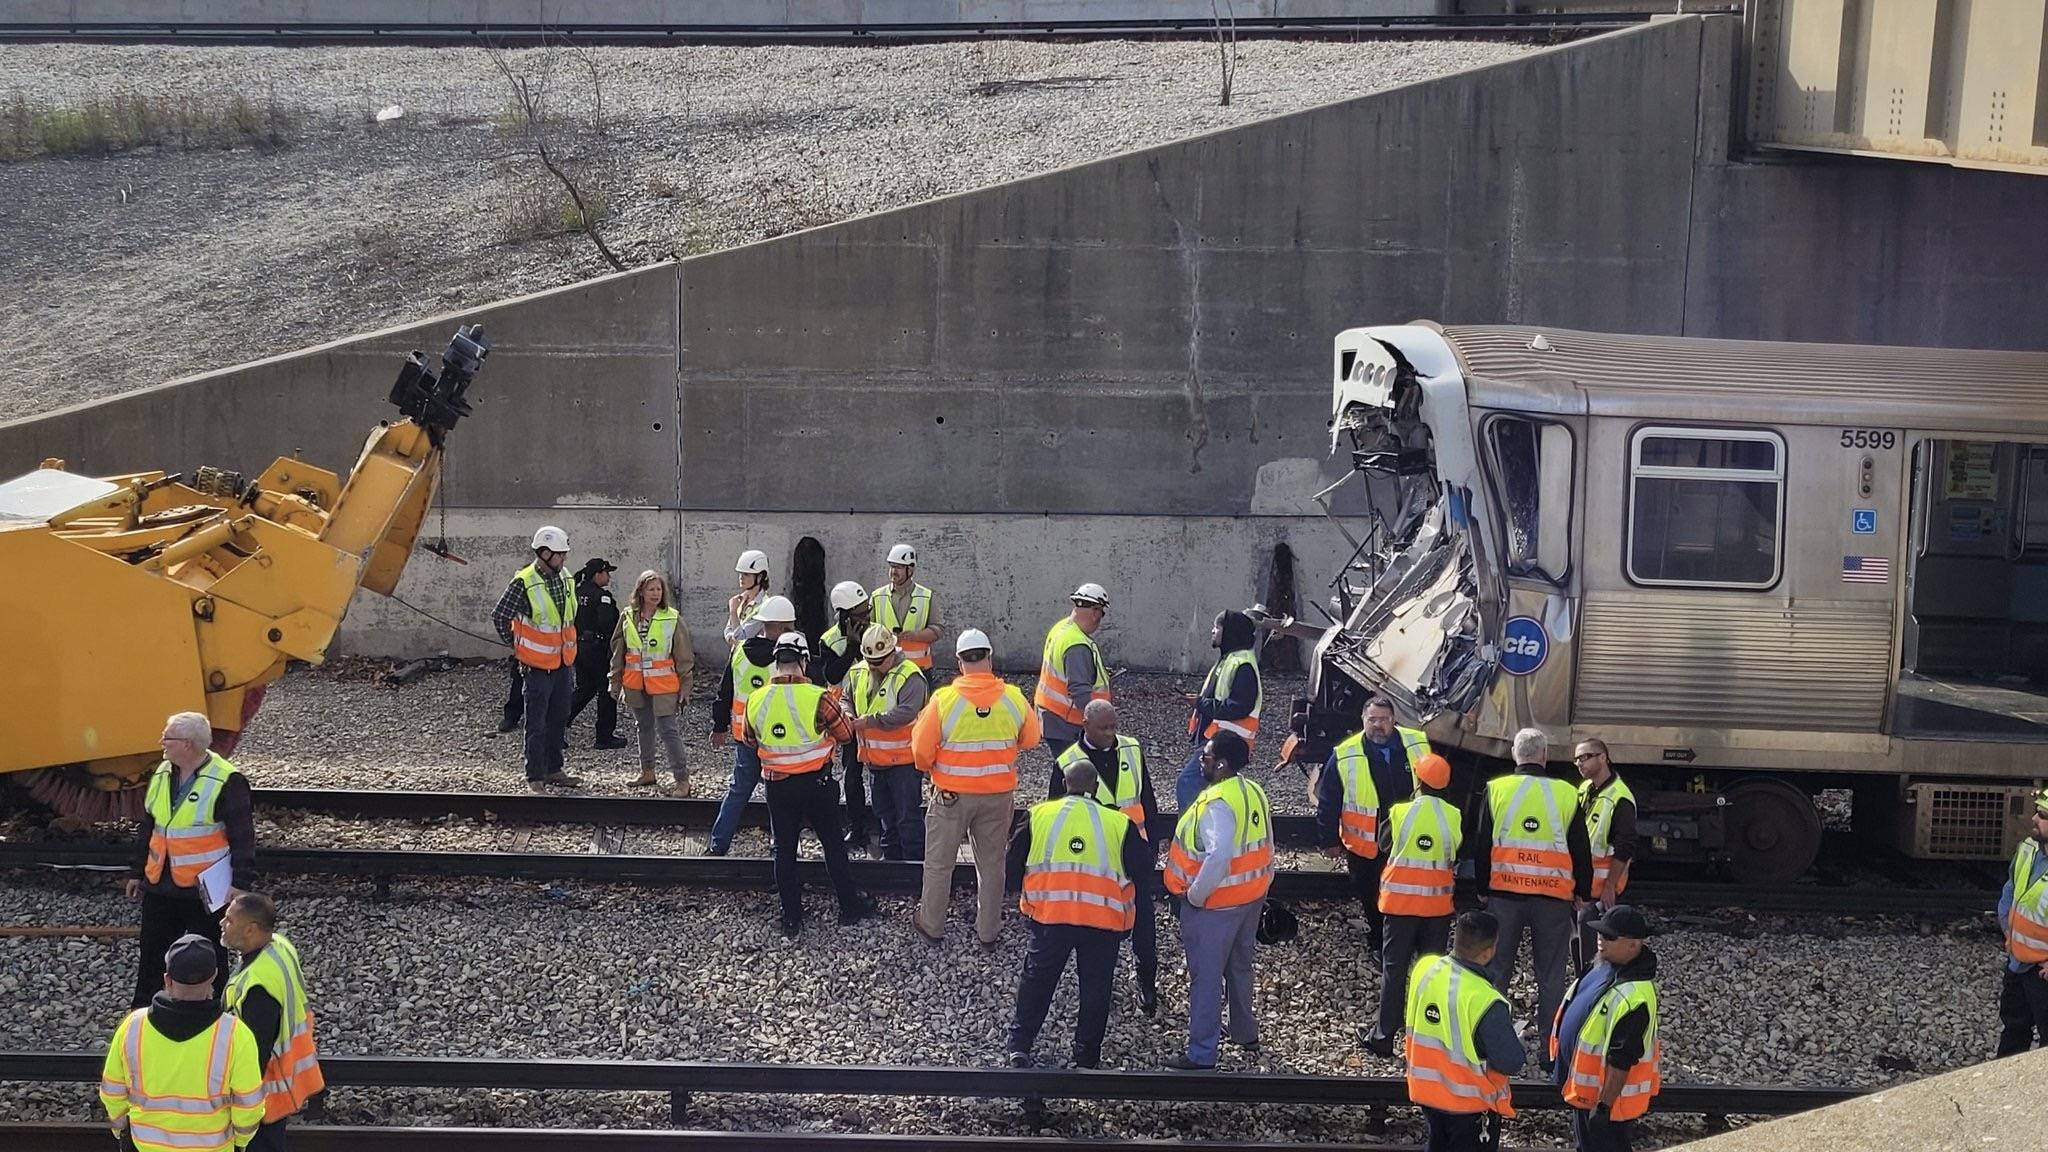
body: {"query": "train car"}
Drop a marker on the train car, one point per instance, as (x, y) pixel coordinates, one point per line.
(1757, 570)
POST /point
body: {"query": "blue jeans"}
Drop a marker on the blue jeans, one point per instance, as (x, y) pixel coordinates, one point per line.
(1219, 944)
(1188, 784)
(746, 776)
(549, 692)
(894, 793)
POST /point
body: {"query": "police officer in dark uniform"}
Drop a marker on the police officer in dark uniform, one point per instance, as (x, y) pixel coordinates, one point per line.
(597, 617)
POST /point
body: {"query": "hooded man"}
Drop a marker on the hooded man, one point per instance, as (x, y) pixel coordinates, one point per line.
(1230, 700)
(181, 1073)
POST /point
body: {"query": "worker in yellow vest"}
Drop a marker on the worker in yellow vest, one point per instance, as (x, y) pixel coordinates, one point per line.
(1534, 867)
(751, 667)
(195, 820)
(1419, 843)
(886, 693)
(653, 666)
(1071, 671)
(1364, 775)
(1610, 809)
(837, 651)
(1221, 864)
(1603, 1047)
(182, 1075)
(2023, 914)
(1081, 861)
(907, 609)
(1123, 783)
(1462, 1045)
(1232, 696)
(268, 995)
(536, 617)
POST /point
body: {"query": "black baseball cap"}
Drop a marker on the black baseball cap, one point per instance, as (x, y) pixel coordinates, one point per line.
(1623, 922)
(192, 960)
(597, 564)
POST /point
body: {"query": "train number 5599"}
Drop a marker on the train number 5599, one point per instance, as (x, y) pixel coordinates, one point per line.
(1868, 438)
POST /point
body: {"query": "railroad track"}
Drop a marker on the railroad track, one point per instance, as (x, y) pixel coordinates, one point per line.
(92, 1137)
(436, 33)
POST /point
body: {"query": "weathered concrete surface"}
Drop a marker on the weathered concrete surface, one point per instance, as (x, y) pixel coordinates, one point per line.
(1996, 1105)
(1117, 371)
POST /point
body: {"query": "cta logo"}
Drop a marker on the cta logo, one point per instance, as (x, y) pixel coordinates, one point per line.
(1523, 646)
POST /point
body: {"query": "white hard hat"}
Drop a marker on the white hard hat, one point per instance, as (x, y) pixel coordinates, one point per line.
(776, 610)
(753, 562)
(903, 554)
(551, 538)
(848, 595)
(972, 640)
(1091, 594)
(878, 641)
(791, 647)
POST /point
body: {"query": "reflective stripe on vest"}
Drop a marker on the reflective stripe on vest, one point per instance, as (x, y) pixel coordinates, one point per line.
(178, 1095)
(2026, 930)
(546, 636)
(1073, 875)
(872, 696)
(1217, 688)
(784, 721)
(1531, 820)
(747, 679)
(977, 753)
(1251, 857)
(1054, 694)
(651, 659)
(1416, 744)
(1358, 824)
(191, 838)
(1445, 1070)
(917, 619)
(1599, 807)
(1128, 796)
(292, 1074)
(1420, 874)
(1588, 1069)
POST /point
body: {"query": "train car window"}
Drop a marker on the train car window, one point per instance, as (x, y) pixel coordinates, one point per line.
(1532, 466)
(1706, 507)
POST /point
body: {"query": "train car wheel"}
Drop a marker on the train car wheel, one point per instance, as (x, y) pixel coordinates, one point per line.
(1773, 832)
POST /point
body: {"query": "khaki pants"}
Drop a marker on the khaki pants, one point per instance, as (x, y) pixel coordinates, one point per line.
(983, 820)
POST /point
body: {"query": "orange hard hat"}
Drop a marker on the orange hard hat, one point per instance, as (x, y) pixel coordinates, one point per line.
(1433, 770)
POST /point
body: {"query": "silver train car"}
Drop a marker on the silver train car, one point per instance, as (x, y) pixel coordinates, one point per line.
(1756, 570)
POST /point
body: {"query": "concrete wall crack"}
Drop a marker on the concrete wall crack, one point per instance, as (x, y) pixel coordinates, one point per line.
(1189, 241)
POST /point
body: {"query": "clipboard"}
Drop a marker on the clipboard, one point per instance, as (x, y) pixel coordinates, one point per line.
(216, 881)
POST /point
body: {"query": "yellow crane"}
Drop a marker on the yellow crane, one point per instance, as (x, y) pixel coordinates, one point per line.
(156, 594)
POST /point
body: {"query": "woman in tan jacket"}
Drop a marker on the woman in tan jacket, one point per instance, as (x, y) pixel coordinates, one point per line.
(652, 662)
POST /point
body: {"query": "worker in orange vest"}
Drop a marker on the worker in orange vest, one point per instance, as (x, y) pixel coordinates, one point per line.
(1419, 843)
(1082, 862)
(1221, 864)
(536, 618)
(1462, 1045)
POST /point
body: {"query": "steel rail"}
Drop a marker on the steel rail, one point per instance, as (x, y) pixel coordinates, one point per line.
(757, 873)
(762, 1079)
(86, 1136)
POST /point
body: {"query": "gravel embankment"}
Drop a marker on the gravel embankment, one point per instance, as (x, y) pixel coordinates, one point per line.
(144, 266)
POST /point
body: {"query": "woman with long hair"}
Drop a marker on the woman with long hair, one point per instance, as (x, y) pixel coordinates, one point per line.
(652, 662)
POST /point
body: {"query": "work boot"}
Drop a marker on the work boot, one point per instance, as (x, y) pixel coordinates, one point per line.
(1148, 998)
(789, 927)
(563, 780)
(505, 726)
(537, 785)
(608, 745)
(680, 789)
(862, 907)
(1382, 1046)
(646, 779)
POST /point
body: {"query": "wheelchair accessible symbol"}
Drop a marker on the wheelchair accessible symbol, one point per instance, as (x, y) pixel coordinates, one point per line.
(1523, 645)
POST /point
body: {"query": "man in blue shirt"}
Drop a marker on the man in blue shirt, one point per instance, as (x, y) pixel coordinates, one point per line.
(1624, 958)
(2023, 914)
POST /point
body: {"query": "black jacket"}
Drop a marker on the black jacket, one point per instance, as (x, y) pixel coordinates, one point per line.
(262, 1013)
(182, 1019)
(1107, 769)
(597, 617)
(1136, 853)
(233, 810)
(1625, 1045)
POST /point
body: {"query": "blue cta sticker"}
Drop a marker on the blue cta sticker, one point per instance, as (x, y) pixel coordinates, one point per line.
(1523, 645)
(1863, 522)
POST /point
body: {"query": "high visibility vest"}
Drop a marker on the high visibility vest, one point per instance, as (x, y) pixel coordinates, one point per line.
(1422, 858)
(874, 695)
(1217, 688)
(1416, 744)
(918, 618)
(977, 751)
(292, 1075)
(202, 1094)
(651, 662)
(784, 721)
(747, 679)
(1446, 1001)
(1251, 857)
(1075, 872)
(1600, 822)
(1588, 1068)
(1128, 795)
(192, 838)
(546, 636)
(2026, 925)
(1532, 817)
(1054, 694)
(1358, 826)
(834, 641)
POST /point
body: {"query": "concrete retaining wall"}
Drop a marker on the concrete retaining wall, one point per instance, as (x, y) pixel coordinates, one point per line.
(1115, 372)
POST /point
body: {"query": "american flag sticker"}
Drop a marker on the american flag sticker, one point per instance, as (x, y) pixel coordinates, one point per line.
(1866, 570)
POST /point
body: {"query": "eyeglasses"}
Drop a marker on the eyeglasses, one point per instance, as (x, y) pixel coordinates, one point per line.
(1582, 757)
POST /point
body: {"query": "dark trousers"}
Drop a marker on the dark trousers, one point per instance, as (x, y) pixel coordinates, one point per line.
(897, 791)
(1056, 784)
(1550, 925)
(1590, 1135)
(164, 919)
(590, 685)
(1406, 938)
(269, 1137)
(2022, 1010)
(1145, 933)
(515, 693)
(1365, 881)
(856, 794)
(810, 797)
(1457, 1132)
(1094, 953)
(548, 693)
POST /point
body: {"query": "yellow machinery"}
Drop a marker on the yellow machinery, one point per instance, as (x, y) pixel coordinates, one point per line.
(157, 595)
